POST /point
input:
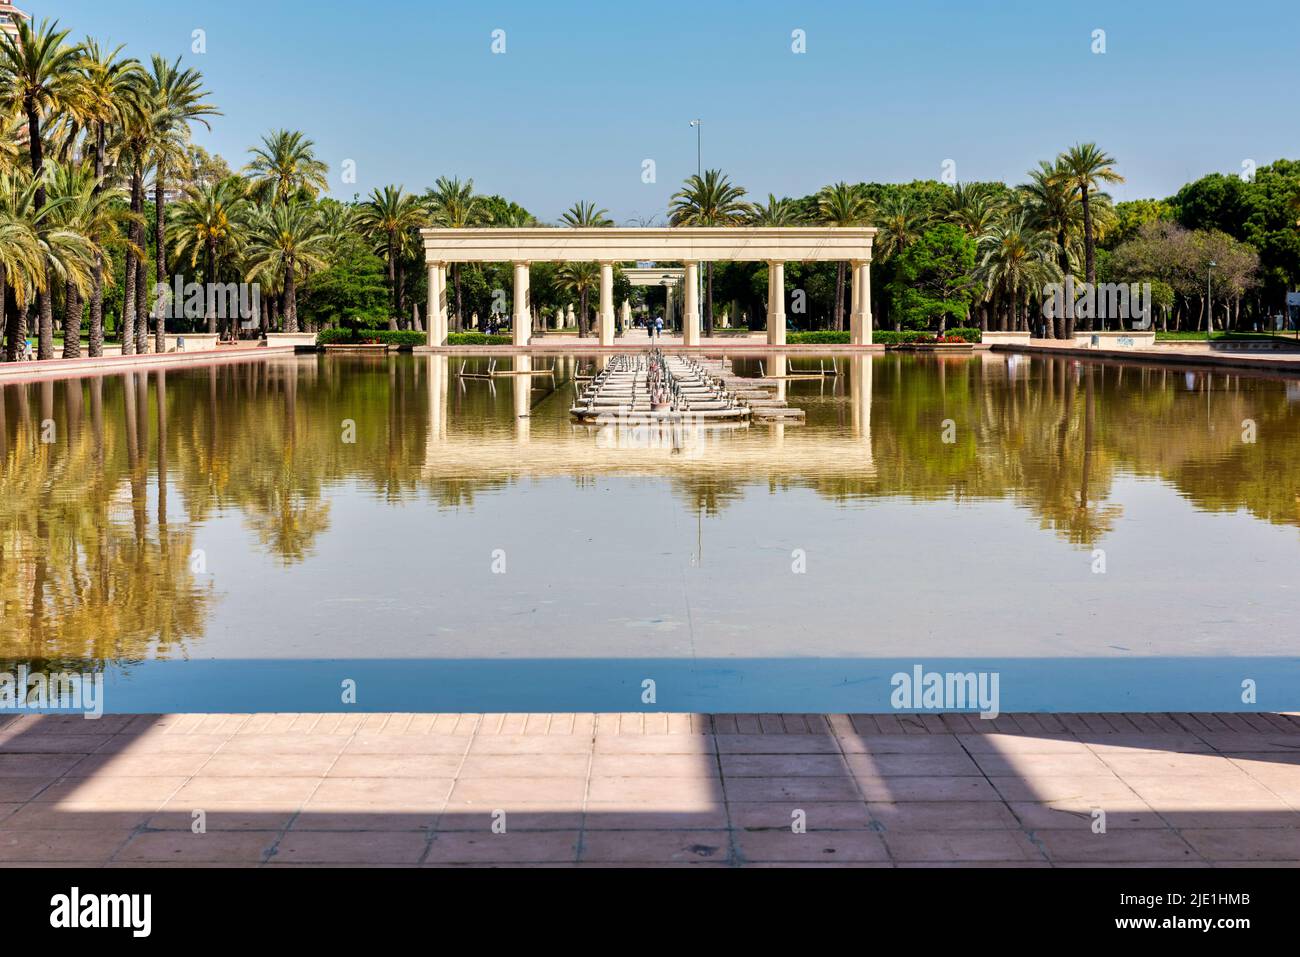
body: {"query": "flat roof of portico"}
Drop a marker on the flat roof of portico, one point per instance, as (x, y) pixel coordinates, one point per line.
(662, 244)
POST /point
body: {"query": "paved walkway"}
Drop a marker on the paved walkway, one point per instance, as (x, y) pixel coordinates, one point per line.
(609, 789)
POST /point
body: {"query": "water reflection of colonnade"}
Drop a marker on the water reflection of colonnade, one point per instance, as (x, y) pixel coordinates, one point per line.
(760, 448)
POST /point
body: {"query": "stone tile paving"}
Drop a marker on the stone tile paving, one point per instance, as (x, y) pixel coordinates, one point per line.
(291, 790)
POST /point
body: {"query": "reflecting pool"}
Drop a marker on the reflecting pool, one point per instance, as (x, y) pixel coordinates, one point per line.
(255, 534)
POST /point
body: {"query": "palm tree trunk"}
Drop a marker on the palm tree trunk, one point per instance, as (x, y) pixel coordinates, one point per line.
(404, 317)
(128, 307)
(160, 241)
(97, 309)
(1089, 248)
(45, 312)
(1059, 322)
(17, 328)
(72, 322)
(212, 277)
(394, 312)
(839, 297)
(135, 315)
(97, 277)
(290, 298)
(708, 299)
(141, 303)
(460, 305)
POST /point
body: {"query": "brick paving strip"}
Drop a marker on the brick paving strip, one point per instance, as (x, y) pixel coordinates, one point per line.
(288, 790)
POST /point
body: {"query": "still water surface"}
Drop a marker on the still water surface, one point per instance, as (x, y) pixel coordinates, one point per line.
(250, 534)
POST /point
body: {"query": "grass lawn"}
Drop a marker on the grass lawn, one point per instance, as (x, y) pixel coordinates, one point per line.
(1200, 336)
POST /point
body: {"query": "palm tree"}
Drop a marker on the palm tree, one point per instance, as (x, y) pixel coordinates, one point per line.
(1054, 206)
(775, 212)
(112, 94)
(583, 213)
(974, 207)
(390, 217)
(204, 224)
(39, 75)
(1084, 166)
(842, 205)
(22, 260)
(287, 240)
(708, 200)
(179, 99)
(91, 214)
(285, 167)
(579, 278)
(453, 205)
(1016, 259)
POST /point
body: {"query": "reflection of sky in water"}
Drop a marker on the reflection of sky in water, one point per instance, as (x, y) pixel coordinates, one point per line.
(625, 545)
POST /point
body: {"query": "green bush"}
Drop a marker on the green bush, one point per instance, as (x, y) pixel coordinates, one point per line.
(394, 337)
(329, 337)
(885, 337)
(388, 337)
(818, 337)
(477, 339)
(888, 337)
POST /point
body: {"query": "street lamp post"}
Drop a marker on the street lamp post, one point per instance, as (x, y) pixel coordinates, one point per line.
(699, 174)
(1209, 302)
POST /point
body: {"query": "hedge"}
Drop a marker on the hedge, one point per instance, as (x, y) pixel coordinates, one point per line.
(477, 339)
(819, 337)
(886, 337)
(390, 337)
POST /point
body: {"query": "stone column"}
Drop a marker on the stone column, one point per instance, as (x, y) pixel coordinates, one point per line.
(861, 320)
(691, 315)
(854, 308)
(627, 316)
(606, 319)
(436, 331)
(521, 321)
(669, 311)
(570, 320)
(776, 303)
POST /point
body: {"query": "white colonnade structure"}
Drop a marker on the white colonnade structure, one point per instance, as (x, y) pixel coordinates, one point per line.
(670, 278)
(688, 245)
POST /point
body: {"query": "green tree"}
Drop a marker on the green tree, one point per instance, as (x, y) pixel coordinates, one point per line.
(934, 279)
(287, 241)
(1084, 167)
(39, 76)
(178, 99)
(389, 217)
(843, 205)
(351, 292)
(285, 168)
(209, 222)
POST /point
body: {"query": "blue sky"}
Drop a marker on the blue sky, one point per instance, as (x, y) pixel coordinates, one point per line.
(585, 92)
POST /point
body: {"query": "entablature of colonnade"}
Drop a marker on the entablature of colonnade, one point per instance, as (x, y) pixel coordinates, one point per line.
(640, 244)
(651, 276)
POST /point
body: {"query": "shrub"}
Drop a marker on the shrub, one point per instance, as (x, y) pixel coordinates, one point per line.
(818, 337)
(965, 333)
(329, 337)
(394, 337)
(889, 337)
(390, 337)
(477, 339)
